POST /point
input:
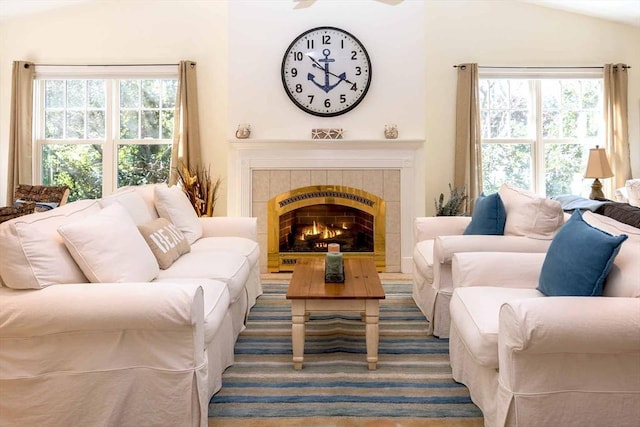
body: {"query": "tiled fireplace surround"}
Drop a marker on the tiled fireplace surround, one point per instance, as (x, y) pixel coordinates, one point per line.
(260, 170)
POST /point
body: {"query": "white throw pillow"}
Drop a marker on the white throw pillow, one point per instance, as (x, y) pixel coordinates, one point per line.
(173, 204)
(133, 202)
(108, 247)
(147, 192)
(33, 254)
(622, 195)
(633, 190)
(529, 214)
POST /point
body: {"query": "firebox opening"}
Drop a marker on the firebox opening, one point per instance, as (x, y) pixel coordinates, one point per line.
(312, 228)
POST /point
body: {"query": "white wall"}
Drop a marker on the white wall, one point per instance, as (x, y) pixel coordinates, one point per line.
(508, 33)
(132, 31)
(392, 33)
(484, 31)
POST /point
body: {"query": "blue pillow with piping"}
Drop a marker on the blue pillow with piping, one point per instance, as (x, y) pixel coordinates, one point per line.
(489, 216)
(579, 259)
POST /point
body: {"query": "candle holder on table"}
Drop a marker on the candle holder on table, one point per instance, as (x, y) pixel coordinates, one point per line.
(334, 264)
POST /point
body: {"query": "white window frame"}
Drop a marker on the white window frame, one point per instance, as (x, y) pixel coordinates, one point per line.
(538, 142)
(110, 142)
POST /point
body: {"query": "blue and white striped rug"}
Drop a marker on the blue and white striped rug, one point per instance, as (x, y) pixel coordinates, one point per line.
(413, 379)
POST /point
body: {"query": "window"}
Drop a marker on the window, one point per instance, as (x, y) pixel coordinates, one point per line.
(98, 134)
(536, 132)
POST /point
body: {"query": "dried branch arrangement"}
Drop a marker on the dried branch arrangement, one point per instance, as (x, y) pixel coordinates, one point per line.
(199, 188)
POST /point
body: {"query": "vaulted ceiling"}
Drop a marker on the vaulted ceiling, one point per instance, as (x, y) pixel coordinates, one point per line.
(625, 11)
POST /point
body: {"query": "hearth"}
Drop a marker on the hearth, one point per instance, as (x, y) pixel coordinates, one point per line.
(304, 221)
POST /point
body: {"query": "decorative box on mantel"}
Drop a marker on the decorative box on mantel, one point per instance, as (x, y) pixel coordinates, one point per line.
(392, 168)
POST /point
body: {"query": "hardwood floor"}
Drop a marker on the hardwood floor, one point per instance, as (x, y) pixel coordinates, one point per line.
(344, 422)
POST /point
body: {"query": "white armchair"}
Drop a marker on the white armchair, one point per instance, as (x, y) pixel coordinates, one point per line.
(438, 239)
(531, 360)
(513, 220)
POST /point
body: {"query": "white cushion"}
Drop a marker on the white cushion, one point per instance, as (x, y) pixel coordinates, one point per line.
(237, 245)
(147, 192)
(445, 247)
(529, 214)
(108, 247)
(621, 195)
(624, 278)
(172, 204)
(133, 202)
(633, 191)
(33, 253)
(475, 313)
(488, 269)
(230, 268)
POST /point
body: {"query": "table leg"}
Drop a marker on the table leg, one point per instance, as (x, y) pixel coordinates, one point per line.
(298, 317)
(372, 312)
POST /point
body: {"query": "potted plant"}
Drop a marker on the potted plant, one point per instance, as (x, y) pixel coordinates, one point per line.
(455, 205)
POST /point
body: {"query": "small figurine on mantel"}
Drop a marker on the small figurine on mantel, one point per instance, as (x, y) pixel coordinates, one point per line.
(334, 264)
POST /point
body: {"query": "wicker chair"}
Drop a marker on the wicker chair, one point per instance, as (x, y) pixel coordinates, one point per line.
(34, 198)
(10, 212)
(46, 197)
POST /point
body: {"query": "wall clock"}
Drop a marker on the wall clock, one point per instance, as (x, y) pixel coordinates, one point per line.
(326, 71)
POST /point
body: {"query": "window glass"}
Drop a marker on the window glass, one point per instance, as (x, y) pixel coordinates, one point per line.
(502, 163)
(78, 166)
(74, 117)
(553, 120)
(143, 164)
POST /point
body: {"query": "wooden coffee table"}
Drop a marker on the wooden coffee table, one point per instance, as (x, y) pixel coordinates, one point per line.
(361, 292)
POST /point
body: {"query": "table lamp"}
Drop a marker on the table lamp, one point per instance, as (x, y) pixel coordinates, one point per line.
(597, 167)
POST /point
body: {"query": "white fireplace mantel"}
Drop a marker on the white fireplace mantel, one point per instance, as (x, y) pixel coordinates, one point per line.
(245, 156)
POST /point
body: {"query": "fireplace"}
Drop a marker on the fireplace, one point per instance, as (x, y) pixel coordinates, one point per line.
(304, 221)
(260, 170)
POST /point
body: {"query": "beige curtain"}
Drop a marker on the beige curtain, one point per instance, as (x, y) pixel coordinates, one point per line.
(186, 137)
(616, 124)
(20, 170)
(468, 160)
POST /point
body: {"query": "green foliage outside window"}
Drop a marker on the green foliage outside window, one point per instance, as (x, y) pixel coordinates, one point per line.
(76, 109)
(143, 164)
(570, 123)
(77, 166)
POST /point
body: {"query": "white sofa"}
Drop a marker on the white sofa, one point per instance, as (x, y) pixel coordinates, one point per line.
(130, 352)
(531, 360)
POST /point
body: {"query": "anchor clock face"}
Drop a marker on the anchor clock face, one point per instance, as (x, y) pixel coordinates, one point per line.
(326, 71)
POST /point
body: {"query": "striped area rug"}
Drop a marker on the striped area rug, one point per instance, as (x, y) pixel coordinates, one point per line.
(413, 379)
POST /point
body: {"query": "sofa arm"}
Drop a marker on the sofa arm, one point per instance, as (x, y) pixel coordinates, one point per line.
(99, 307)
(570, 343)
(427, 228)
(225, 226)
(445, 247)
(507, 269)
(105, 346)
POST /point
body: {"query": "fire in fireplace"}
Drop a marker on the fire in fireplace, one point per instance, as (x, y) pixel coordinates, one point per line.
(312, 228)
(304, 221)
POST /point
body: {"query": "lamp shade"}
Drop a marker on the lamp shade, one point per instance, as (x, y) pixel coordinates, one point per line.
(598, 165)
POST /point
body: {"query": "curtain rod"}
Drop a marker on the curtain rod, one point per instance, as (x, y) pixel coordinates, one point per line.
(101, 65)
(543, 68)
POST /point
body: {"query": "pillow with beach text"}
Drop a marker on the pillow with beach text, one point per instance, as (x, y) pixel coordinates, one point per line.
(165, 240)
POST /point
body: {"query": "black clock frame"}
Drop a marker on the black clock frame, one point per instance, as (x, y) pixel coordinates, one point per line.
(317, 113)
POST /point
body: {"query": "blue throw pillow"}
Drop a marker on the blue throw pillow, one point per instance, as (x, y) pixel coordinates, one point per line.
(578, 260)
(488, 216)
